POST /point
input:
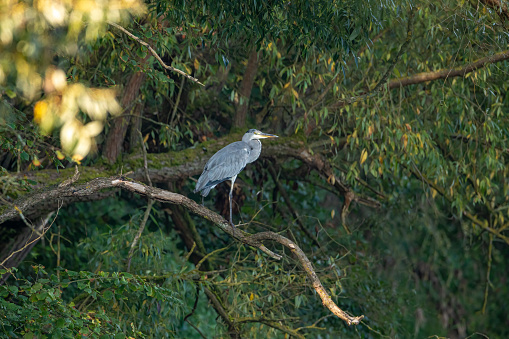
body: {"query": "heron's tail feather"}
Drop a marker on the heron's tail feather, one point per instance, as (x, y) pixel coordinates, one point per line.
(206, 191)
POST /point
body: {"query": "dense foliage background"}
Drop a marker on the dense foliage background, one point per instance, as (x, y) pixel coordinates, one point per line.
(390, 171)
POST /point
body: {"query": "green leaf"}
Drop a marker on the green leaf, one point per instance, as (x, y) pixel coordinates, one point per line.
(108, 295)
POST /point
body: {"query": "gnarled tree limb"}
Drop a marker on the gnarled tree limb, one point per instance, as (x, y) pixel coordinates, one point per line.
(173, 198)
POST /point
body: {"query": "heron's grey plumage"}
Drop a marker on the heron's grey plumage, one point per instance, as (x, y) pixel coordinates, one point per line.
(229, 161)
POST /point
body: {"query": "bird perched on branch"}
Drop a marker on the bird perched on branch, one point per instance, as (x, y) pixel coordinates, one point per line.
(229, 161)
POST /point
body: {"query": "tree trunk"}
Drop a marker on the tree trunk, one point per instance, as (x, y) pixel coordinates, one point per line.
(239, 120)
(117, 133)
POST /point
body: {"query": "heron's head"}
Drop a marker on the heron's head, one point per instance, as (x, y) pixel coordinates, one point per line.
(254, 134)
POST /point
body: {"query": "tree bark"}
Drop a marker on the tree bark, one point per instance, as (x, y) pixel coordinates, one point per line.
(239, 120)
(117, 133)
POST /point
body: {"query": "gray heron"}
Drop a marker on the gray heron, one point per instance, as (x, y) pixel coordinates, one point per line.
(229, 161)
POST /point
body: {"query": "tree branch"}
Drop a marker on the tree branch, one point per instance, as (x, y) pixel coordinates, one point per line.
(448, 73)
(164, 168)
(154, 53)
(310, 271)
(177, 199)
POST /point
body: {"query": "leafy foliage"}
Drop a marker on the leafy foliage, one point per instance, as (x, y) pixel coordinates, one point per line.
(36, 309)
(430, 261)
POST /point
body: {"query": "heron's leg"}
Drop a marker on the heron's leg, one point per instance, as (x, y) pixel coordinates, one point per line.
(230, 198)
(203, 201)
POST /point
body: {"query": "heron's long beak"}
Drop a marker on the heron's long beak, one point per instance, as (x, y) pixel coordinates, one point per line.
(266, 135)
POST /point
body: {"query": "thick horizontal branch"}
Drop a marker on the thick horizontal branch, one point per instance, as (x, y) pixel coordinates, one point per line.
(448, 73)
(164, 168)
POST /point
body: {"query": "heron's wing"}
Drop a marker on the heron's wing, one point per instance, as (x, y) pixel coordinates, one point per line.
(223, 165)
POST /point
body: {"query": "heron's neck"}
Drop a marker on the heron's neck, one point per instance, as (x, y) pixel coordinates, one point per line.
(256, 149)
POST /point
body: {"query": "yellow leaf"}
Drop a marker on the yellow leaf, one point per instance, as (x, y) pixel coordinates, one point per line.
(364, 156)
(60, 156)
(404, 139)
(196, 64)
(40, 109)
(332, 214)
(287, 85)
(295, 94)
(251, 296)
(331, 179)
(77, 158)
(145, 138)
(408, 127)
(36, 162)
(371, 129)
(433, 193)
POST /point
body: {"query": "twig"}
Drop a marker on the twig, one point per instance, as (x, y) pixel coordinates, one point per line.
(186, 318)
(488, 271)
(145, 164)
(293, 211)
(149, 205)
(220, 309)
(188, 255)
(72, 180)
(175, 108)
(40, 235)
(140, 231)
(154, 53)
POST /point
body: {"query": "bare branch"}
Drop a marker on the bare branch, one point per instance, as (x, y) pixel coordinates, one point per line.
(310, 271)
(246, 238)
(177, 199)
(154, 53)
